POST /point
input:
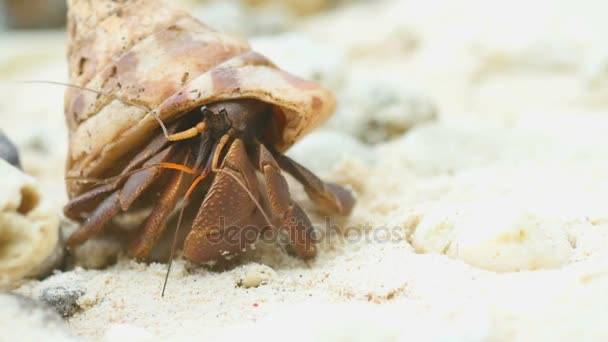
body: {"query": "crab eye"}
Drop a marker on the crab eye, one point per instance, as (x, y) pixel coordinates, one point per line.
(206, 111)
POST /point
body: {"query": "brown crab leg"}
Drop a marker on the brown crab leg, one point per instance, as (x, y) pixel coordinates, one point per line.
(137, 183)
(108, 208)
(229, 218)
(117, 201)
(86, 201)
(293, 219)
(329, 196)
(156, 223)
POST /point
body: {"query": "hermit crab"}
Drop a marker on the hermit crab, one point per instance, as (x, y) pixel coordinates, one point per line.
(164, 113)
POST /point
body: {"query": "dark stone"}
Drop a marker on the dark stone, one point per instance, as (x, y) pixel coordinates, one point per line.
(8, 151)
(64, 300)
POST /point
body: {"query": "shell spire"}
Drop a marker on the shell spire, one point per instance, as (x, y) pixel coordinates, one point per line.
(156, 57)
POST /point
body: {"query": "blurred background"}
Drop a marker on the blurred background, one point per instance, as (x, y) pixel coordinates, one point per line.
(459, 68)
(47, 14)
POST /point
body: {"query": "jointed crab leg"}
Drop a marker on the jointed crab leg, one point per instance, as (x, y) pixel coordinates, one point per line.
(120, 200)
(97, 220)
(86, 201)
(156, 223)
(330, 196)
(292, 218)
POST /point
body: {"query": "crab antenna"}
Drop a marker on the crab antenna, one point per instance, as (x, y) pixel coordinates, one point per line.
(198, 179)
(162, 165)
(100, 92)
(179, 223)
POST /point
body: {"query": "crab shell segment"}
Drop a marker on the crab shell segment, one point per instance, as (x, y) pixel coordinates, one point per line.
(157, 60)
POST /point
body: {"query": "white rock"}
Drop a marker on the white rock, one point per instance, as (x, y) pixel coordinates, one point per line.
(29, 229)
(22, 319)
(322, 150)
(495, 234)
(376, 108)
(254, 275)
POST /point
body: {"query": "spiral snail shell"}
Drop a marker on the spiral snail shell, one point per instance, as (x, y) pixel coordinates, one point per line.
(230, 114)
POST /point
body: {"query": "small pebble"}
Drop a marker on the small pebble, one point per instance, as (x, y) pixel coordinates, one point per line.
(323, 150)
(63, 299)
(254, 275)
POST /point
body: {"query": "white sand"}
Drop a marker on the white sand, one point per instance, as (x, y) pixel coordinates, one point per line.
(506, 192)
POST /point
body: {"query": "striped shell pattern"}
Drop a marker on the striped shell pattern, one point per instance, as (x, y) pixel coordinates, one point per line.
(160, 60)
